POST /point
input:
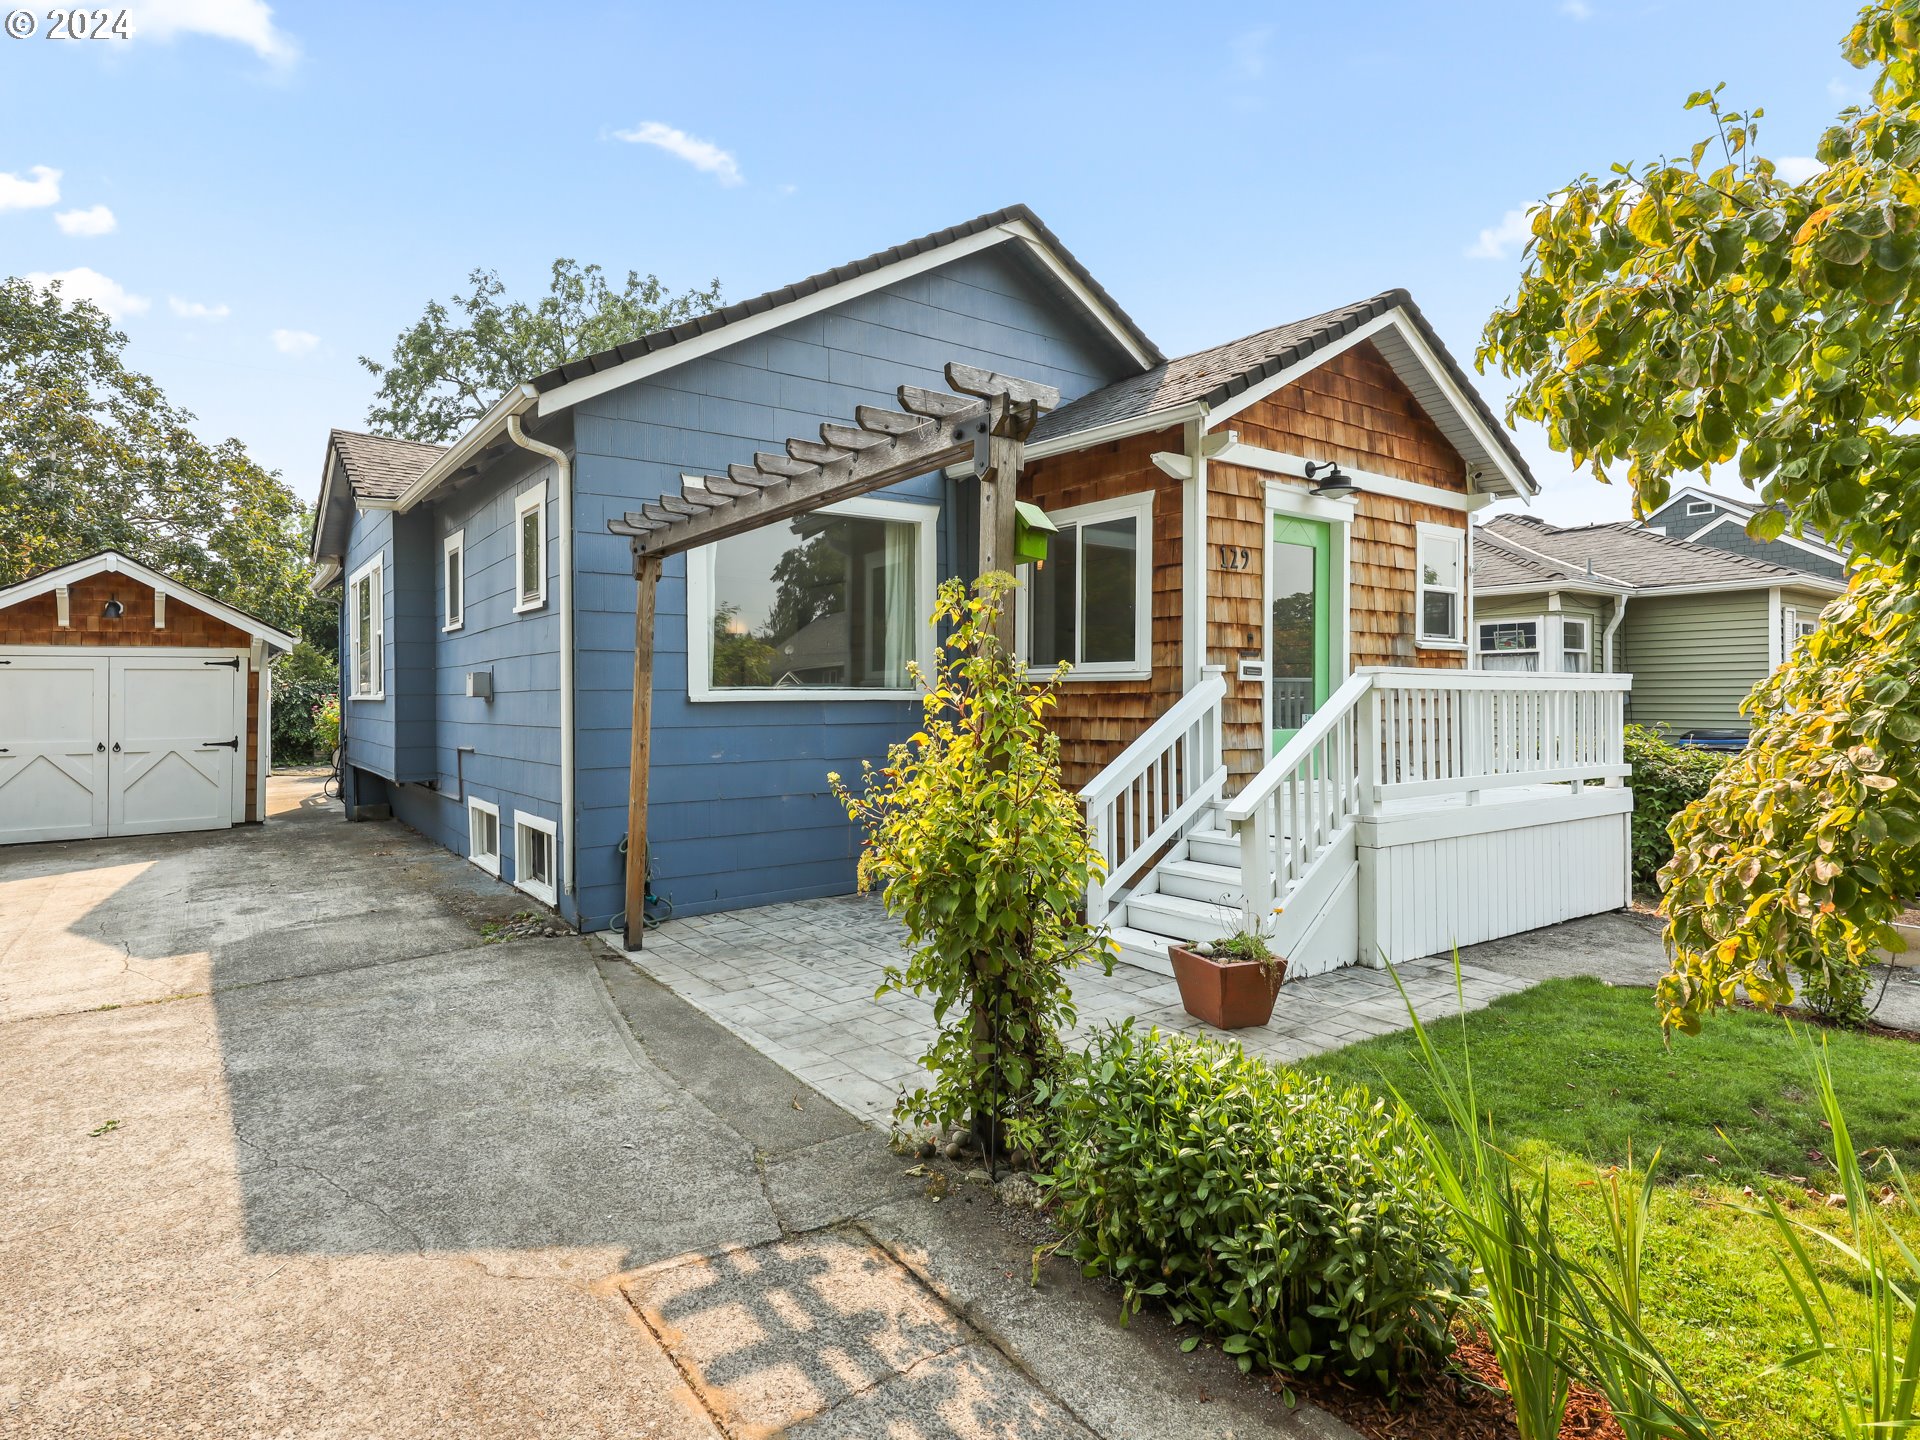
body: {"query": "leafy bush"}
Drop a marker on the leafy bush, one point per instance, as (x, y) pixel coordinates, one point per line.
(297, 734)
(985, 858)
(326, 724)
(1293, 1217)
(1666, 779)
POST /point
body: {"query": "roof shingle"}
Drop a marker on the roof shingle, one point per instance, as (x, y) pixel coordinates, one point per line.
(379, 467)
(1643, 558)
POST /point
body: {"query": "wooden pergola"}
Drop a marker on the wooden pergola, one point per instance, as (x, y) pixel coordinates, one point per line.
(986, 419)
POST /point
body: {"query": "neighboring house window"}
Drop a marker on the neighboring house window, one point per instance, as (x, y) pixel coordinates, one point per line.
(1576, 646)
(1510, 645)
(367, 632)
(533, 856)
(831, 604)
(1091, 602)
(1797, 626)
(483, 834)
(1699, 507)
(455, 578)
(530, 549)
(1437, 598)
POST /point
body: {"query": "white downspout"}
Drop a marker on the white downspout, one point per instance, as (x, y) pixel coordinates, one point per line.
(563, 479)
(1606, 638)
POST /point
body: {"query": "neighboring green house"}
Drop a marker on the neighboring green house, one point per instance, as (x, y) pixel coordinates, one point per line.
(1694, 624)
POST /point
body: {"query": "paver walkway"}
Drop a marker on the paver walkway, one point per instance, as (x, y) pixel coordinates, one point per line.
(797, 982)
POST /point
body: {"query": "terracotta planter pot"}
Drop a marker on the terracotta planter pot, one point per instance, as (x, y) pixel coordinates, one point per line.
(1228, 995)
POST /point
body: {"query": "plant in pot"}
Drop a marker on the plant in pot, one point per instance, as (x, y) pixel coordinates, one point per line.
(1232, 982)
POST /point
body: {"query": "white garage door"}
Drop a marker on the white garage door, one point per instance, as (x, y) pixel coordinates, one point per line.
(118, 744)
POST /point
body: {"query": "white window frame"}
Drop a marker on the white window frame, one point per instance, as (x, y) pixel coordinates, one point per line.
(374, 570)
(1696, 508)
(1790, 622)
(487, 862)
(1585, 647)
(1140, 508)
(522, 824)
(700, 592)
(1456, 536)
(531, 500)
(1539, 623)
(452, 616)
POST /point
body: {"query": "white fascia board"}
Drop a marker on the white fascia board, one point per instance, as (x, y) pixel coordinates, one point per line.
(1700, 492)
(1148, 424)
(641, 366)
(482, 433)
(1280, 462)
(1494, 453)
(1542, 587)
(1718, 587)
(112, 562)
(1825, 552)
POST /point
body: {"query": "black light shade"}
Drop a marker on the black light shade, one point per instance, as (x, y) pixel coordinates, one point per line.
(1337, 484)
(114, 609)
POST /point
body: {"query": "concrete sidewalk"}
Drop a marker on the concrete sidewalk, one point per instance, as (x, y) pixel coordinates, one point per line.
(291, 1150)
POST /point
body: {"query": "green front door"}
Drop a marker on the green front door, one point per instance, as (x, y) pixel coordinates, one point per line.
(1300, 629)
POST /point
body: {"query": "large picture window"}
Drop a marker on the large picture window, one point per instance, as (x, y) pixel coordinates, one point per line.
(367, 632)
(1509, 645)
(1441, 561)
(831, 604)
(1090, 602)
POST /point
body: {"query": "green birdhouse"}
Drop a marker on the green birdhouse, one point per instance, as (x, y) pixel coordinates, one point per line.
(1031, 531)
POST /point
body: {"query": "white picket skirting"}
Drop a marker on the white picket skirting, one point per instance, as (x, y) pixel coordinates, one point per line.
(1415, 810)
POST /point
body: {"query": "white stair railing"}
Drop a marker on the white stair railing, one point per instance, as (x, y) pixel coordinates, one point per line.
(1301, 802)
(1156, 788)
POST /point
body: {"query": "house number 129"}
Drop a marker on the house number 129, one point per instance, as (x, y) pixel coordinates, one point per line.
(1235, 557)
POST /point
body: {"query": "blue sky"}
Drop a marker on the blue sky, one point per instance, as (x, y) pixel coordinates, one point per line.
(265, 194)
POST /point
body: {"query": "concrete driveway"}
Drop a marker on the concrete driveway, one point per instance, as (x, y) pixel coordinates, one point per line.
(288, 1149)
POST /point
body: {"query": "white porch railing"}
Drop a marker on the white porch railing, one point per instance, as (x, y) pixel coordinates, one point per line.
(1156, 788)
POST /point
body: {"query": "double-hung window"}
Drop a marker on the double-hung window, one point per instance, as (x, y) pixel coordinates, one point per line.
(1090, 602)
(530, 549)
(367, 632)
(1576, 646)
(832, 604)
(1509, 644)
(454, 581)
(1441, 566)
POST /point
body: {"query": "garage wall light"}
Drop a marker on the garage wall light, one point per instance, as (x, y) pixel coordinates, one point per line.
(114, 609)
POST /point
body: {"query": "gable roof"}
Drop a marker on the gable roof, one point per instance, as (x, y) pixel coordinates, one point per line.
(785, 295)
(1738, 507)
(378, 467)
(115, 562)
(1214, 378)
(1645, 559)
(1501, 564)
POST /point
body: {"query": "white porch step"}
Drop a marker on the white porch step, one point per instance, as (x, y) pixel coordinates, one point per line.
(1142, 950)
(1215, 847)
(1175, 917)
(1199, 880)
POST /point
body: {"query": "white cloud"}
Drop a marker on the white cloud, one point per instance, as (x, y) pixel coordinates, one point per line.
(245, 22)
(1249, 51)
(196, 310)
(94, 220)
(32, 194)
(1797, 169)
(295, 342)
(1576, 9)
(82, 283)
(703, 155)
(1512, 233)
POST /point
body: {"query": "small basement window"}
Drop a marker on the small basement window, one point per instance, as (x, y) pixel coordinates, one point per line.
(454, 581)
(1510, 645)
(1441, 563)
(367, 632)
(483, 834)
(1090, 603)
(534, 845)
(530, 549)
(1576, 646)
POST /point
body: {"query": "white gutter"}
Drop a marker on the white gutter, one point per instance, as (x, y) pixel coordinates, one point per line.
(482, 433)
(563, 483)
(1613, 625)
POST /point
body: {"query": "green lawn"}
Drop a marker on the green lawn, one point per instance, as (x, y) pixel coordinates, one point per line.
(1574, 1071)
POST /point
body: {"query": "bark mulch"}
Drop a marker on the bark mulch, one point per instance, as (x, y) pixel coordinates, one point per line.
(1467, 1402)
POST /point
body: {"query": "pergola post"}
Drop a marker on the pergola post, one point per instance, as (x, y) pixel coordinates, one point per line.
(646, 571)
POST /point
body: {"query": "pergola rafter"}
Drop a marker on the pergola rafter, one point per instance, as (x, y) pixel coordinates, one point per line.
(986, 419)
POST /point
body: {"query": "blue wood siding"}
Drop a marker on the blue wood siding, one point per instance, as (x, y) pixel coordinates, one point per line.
(740, 812)
(368, 726)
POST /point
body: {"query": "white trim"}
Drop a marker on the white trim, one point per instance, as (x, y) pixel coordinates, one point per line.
(1288, 499)
(775, 316)
(63, 607)
(463, 452)
(263, 756)
(1824, 552)
(1701, 507)
(1696, 492)
(488, 863)
(1280, 462)
(1775, 629)
(1193, 561)
(1139, 508)
(1585, 622)
(546, 892)
(1796, 581)
(1571, 587)
(159, 609)
(1423, 531)
(376, 570)
(531, 501)
(450, 618)
(700, 687)
(112, 562)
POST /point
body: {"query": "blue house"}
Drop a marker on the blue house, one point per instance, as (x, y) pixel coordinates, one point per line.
(487, 614)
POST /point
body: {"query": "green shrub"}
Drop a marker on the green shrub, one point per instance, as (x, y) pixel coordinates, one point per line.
(1666, 779)
(297, 737)
(1292, 1217)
